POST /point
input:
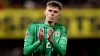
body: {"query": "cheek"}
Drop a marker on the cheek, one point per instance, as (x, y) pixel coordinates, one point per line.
(47, 13)
(57, 15)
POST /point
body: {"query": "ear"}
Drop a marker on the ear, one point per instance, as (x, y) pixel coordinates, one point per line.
(44, 12)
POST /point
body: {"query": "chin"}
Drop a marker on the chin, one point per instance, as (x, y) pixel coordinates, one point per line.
(50, 20)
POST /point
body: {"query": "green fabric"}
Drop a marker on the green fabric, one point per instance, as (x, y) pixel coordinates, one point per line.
(57, 47)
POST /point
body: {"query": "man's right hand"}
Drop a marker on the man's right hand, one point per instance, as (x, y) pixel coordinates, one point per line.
(40, 35)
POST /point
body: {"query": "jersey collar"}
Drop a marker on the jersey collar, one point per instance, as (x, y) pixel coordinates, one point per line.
(49, 25)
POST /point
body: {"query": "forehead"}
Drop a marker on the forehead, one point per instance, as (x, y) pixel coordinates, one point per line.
(52, 8)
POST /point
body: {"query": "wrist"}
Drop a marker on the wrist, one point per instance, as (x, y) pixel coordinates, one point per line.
(50, 40)
(39, 41)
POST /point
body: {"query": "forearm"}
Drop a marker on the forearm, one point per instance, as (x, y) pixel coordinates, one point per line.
(58, 48)
(31, 48)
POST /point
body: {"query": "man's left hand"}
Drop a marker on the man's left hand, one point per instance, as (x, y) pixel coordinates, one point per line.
(50, 32)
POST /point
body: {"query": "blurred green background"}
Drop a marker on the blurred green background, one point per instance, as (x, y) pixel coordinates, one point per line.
(81, 17)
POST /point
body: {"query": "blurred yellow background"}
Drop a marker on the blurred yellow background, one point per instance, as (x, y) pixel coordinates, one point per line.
(80, 23)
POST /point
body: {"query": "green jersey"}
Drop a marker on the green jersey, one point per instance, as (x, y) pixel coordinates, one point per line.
(45, 48)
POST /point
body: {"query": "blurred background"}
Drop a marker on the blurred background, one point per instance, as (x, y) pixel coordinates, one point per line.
(81, 17)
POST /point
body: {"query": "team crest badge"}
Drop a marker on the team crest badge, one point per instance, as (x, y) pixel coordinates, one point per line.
(57, 33)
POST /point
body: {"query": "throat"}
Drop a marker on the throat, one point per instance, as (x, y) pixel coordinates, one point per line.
(50, 23)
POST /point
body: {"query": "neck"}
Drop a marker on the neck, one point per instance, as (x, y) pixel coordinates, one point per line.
(49, 23)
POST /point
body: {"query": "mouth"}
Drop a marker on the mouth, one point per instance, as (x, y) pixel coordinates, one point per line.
(51, 18)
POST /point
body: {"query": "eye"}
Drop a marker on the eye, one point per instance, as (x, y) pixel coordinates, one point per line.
(50, 10)
(55, 11)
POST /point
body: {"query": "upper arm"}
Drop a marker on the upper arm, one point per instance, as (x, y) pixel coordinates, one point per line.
(29, 37)
(63, 39)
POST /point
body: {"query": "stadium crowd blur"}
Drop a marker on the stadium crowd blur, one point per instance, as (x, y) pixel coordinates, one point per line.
(12, 48)
(41, 3)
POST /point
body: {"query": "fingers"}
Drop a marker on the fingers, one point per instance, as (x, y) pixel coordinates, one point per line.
(41, 31)
(50, 32)
(41, 34)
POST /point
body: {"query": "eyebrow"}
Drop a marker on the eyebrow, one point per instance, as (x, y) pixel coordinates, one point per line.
(52, 10)
(56, 11)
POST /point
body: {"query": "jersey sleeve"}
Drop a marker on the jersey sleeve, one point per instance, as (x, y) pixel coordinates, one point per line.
(61, 46)
(30, 45)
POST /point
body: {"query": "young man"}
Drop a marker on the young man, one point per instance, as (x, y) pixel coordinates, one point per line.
(47, 38)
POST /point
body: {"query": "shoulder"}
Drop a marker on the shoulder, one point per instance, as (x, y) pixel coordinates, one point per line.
(62, 26)
(35, 24)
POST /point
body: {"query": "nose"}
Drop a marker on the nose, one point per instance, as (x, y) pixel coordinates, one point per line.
(52, 13)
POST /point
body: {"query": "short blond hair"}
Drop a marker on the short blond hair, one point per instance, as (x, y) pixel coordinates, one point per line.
(54, 4)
